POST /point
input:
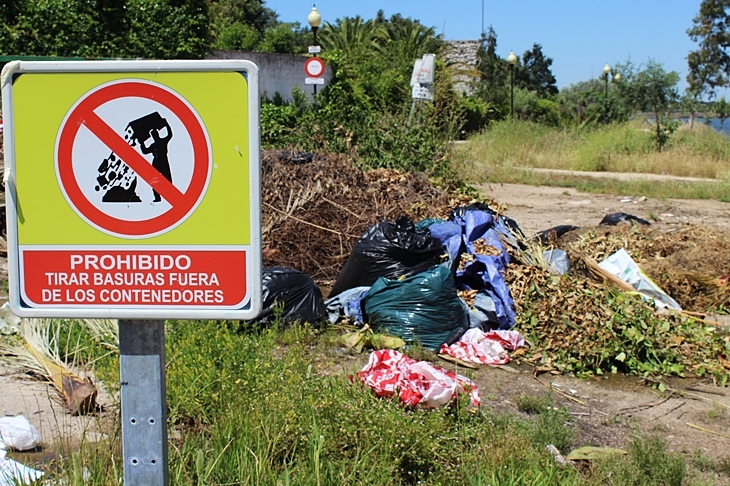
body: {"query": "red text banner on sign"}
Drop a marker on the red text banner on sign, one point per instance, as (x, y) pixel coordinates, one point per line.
(139, 278)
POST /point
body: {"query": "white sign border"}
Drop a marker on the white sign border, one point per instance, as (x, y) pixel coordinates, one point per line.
(245, 68)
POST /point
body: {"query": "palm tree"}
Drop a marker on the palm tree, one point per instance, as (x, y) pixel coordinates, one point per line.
(408, 39)
(348, 34)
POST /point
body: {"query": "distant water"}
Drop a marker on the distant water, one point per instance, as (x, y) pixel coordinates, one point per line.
(714, 123)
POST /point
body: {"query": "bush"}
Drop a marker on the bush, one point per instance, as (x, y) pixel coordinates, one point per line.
(475, 113)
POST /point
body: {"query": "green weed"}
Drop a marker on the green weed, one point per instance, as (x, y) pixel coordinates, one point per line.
(723, 465)
(532, 404)
(552, 426)
(648, 463)
(718, 412)
(621, 334)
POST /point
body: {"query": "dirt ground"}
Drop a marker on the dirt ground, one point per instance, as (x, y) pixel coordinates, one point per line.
(609, 410)
(538, 208)
(694, 417)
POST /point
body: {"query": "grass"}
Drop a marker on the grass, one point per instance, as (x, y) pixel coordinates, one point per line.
(532, 404)
(274, 417)
(251, 406)
(508, 151)
(262, 407)
(648, 463)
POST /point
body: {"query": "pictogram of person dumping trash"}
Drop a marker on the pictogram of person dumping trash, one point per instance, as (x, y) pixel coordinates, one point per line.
(151, 134)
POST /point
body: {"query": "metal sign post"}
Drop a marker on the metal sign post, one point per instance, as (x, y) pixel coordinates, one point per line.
(421, 83)
(144, 406)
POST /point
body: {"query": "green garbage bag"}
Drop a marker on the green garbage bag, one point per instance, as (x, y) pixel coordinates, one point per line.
(423, 308)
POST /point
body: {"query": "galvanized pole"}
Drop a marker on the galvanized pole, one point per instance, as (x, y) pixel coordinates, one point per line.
(314, 31)
(512, 91)
(605, 100)
(144, 406)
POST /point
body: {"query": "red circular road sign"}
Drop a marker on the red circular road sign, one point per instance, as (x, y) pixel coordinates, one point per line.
(181, 201)
(314, 67)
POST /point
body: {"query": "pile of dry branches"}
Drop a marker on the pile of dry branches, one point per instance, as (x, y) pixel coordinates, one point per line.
(314, 212)
(688, 263)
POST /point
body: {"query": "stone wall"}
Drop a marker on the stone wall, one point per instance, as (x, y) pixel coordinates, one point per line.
(461, 57)
(279, 73)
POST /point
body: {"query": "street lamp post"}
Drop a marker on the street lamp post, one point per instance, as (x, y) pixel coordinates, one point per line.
(315, 20)
(512, 60)
(606, 74)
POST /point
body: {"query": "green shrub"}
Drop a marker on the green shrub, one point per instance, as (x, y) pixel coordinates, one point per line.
(475, 113)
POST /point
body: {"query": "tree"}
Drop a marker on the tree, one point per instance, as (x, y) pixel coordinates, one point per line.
(709, 65)
(162, 29)
(654, 90)
(494, 78)
(284, 38)
(534, 74)
(408, 39)
(237, 37)
(690, 104)
(168, 29)
(239, 24)
(68, 28)
(349, 34)
(721, 109)
(583, 102)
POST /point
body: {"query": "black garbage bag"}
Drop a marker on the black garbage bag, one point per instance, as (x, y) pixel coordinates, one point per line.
(390, 250)
(295, 291)
(296, 158)
(423, 308)
(615, 218)
(555, 232)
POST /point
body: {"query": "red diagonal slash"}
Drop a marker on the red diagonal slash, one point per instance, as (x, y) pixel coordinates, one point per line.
(132, 158)
(182, 201)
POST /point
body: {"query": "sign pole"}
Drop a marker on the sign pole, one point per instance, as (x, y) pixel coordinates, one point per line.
(135, 187)
(143, 401)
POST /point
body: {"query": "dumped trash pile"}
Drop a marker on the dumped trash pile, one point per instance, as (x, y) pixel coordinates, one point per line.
(412, 261)
(691, 264)
(579, 323)
(17, 434)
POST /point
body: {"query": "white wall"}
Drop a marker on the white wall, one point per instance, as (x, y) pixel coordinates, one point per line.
(277, 72)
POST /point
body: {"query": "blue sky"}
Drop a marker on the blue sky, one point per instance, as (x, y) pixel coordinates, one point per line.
(581, 36)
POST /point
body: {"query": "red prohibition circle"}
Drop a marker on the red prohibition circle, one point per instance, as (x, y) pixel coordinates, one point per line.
(83, 114)
(314, 67)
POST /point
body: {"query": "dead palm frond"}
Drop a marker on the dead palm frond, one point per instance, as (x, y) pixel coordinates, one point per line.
(104, 331)
(531, 251)
(37, 351)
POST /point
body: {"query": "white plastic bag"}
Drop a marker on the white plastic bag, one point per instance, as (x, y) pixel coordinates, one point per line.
(621, 265)
(18, 433)
(9, 322)
(13, 473)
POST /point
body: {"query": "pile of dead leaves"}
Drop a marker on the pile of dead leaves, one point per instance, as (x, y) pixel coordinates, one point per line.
(579, 323)
(314, 212)
(689, 263)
